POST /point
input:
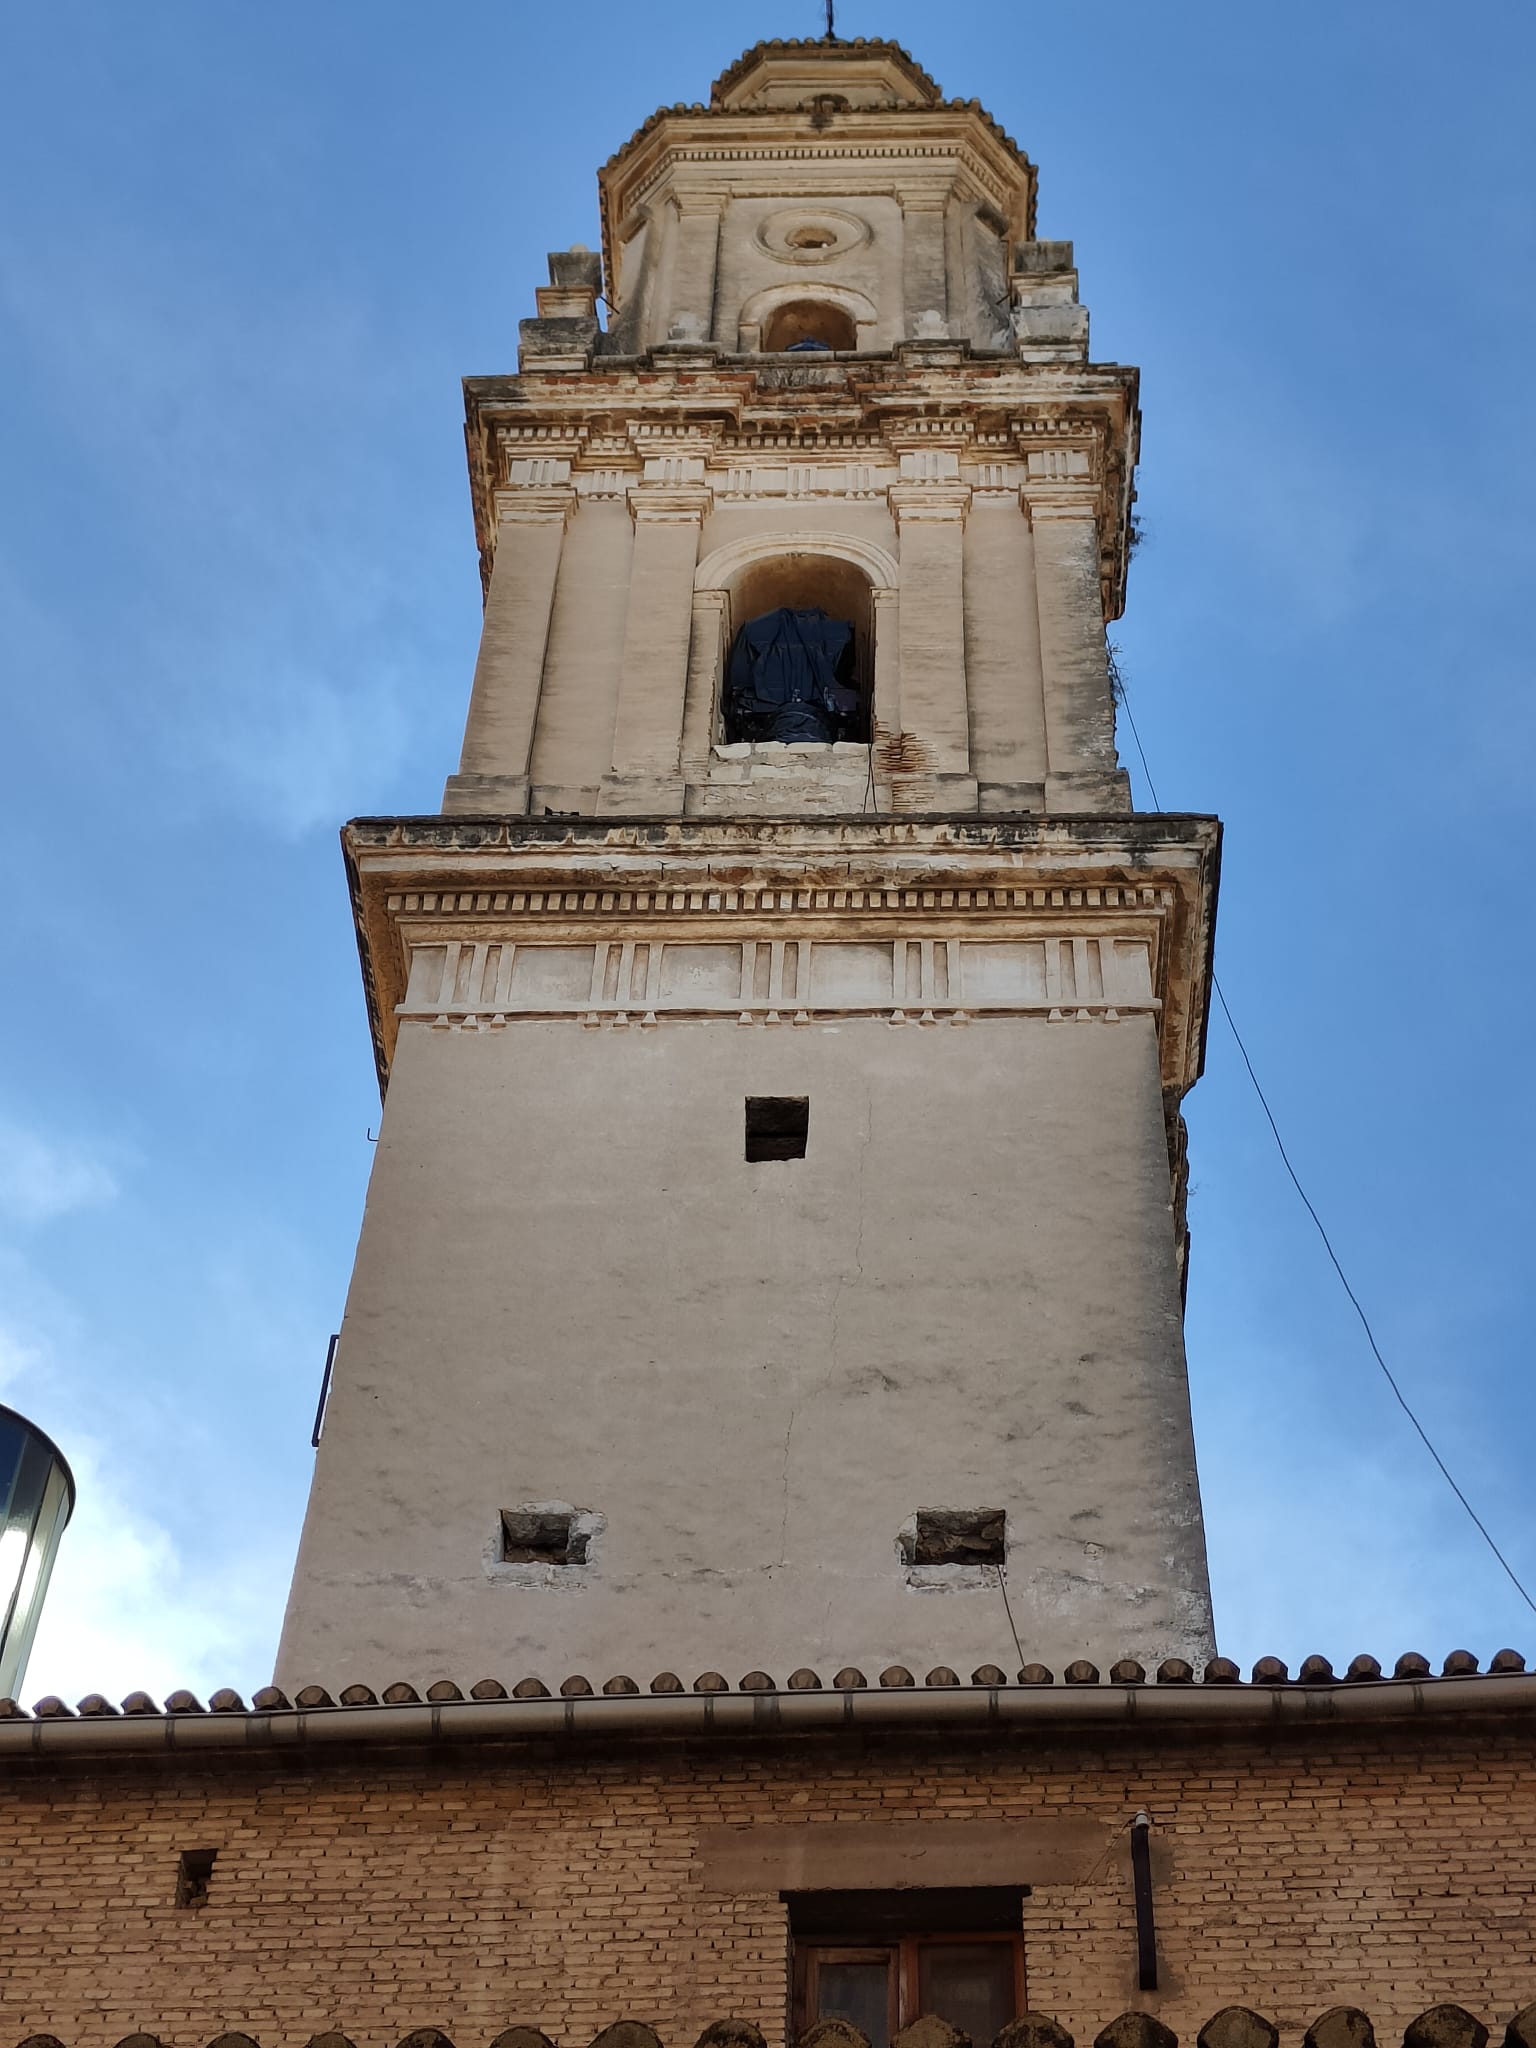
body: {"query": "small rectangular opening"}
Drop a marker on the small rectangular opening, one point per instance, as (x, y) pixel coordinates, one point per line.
(777, 1126)
(194, 1872)
(960, 1536)
(541, 1536)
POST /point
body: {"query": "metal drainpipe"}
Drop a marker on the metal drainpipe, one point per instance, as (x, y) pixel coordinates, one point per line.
(1141, 1880)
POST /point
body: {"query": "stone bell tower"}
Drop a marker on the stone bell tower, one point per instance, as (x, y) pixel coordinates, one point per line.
(775, 1240)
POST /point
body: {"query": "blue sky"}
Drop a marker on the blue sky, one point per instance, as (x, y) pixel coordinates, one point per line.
(247, 256)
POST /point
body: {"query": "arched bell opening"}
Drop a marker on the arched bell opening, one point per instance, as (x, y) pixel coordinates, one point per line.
(809, 325)
(800, 651)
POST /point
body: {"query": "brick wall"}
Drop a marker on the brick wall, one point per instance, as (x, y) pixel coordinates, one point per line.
(468, 1889)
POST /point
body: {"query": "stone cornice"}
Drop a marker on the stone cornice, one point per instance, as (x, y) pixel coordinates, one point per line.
(877, 138)
(1076, 425)
(1139, 889)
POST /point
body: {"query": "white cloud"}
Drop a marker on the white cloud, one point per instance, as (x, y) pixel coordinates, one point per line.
(129, 1608)
(41, 1178)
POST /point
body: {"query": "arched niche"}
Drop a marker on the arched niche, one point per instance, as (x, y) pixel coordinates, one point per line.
(815, 321)
(845, 577)
(781, 314)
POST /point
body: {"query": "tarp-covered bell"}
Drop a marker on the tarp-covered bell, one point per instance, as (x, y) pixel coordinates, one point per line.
(791, 678)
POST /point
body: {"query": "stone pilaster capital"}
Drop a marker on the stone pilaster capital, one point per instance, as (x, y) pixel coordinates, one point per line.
(670, 504)
(695, 200)
(930, 502)
(522, 505)
(1056, 501)
(925, 195)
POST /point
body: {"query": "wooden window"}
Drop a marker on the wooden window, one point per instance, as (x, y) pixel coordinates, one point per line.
(882, 1960)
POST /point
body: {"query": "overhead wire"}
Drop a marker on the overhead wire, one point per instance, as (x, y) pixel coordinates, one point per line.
(1446, 1474)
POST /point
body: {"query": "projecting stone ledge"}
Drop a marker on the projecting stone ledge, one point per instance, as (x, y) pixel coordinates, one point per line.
(477, 923)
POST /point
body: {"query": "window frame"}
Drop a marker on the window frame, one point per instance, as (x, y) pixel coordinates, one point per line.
(901, 1953)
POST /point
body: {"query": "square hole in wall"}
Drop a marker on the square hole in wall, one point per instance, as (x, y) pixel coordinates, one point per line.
(960, 1536)
(777, 1126)
(541, 1536)
(194, 1874)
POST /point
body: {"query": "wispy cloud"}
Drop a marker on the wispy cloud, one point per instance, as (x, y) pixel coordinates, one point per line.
(135, 1600)
(129, 1607)
(43, 1177)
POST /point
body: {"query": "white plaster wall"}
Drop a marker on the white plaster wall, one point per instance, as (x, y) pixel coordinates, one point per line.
(572, 1287)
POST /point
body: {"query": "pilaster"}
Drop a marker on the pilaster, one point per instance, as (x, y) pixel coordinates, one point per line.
(695, 264)
(653, 674)
(1083, 771)
(504, 698)
(924, 269)
(935, 719)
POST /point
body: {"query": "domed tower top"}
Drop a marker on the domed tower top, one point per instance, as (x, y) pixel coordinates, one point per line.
(829, 177)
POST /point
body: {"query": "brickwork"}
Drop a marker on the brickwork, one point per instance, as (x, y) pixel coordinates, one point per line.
(472, 1887)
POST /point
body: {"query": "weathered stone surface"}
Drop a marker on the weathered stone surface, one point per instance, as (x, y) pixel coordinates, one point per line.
(834, 2034)
(1237, 2026)
(1136, 2030)
(627, 2034)
(1342, 2026)
(930, 2031)
(730, 2034)
(1034, 2030)
(1521, 2031)
(331, 2039)
(1446, 2026)
(522, 2037)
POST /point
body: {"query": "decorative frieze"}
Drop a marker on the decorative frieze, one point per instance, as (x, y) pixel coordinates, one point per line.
(918, 975)
(484, 922)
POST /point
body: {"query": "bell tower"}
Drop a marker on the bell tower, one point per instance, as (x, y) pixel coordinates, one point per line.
(775, 1242)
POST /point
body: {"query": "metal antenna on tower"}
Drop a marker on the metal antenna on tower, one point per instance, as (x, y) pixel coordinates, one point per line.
(831, 30)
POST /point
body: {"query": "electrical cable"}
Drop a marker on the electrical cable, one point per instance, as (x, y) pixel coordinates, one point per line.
(1002, 1580)
(1306, 1202)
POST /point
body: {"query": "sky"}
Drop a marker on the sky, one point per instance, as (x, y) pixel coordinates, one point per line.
(249, 252)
